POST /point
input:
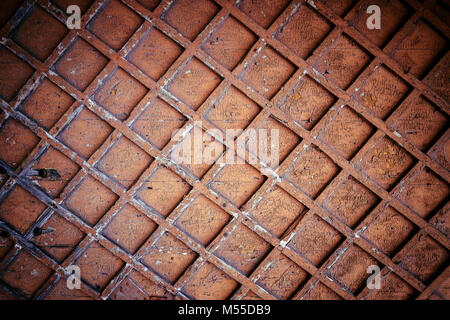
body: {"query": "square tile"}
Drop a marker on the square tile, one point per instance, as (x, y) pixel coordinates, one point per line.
(80, 64)
(17, 142)
(21, 209)
(229, 43)
(389, 230)
(47, 104)
(169, 257)
(163, 190)
(98, 266)
(387, 162)
(155, 53)
(61, 292)
(210, 283)
(158, 123)
(90, 200)
(264, 12)
(420, 49)
(350, 268)
(441, 220)
(203, 220)
(343, 61)
(57, 237)
(233, 111)
(242, 249)
(268, 72)
(382, 92)
(14, 73)
(347, 132)
(129, 228)
(120, 94)
(277, 211)
(351, 201)
(39, 33)
(194, 83)
(115, 24)
(304, 31)
(85, 133)
(26, 274)
(281, 276)
(421, 122)
(198, 12)
(392, 288)
(425, 193)
(124, 162)
(312, 171)
(423, 257)
(307, 102)
(437, 78)
(315, 239)
(237, 182)
(66, 168)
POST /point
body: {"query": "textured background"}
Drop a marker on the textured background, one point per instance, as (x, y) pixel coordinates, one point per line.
(364, 149)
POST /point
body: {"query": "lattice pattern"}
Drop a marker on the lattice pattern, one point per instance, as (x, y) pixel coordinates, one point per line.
(364, 122)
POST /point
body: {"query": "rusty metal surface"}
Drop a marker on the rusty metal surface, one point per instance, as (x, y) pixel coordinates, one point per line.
(86, 118)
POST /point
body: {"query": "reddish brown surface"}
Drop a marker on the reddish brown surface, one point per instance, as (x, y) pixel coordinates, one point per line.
(363, 177)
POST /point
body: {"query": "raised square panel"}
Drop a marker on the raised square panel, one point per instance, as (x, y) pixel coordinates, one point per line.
(158, 123)
(53, 159)
(237, 182)
(387, 162)
(203, 220)
(163, 190)
(242, 248)
(389, 230)
(382, 92)
(350, 268)
(392, 288)
(198, 12)
(61, 292)
(47, 104)
(115, 24)
(264, 12)
(120, 94)
(21, 209)
(155, 53)
(124, 162)
(420, 49)
(268, 72)
(169, 257)
(280, 275)
(347, 132)
(421, 122)
(17, 142)
(85, 133)
(441, 220)
(315, 239)
(277, 211)
(26, 274)
(229, 43)
(423, 257)
(129, 228)
(98, 266)
(194, 83)
(39, 33)
(80, 64)
(393, 14)
(307, 102)
(343, 61)
(90, 200)
(210, 283)
(14, 73)
(233, 111)
(304, 31)
(57, 237)
(425, 193)
(287, 141)
(437, 79)
(64, 4)
(351, 201)
(312, 171)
